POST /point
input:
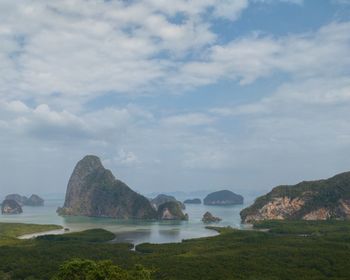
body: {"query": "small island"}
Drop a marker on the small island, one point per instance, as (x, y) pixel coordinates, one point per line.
(193, 201)
(223, 198)
(33, 200)
(209, 218)
(11, 207)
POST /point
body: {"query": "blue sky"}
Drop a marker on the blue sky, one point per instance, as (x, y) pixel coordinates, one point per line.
(174, 95)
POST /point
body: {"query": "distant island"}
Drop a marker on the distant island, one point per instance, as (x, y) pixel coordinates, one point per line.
(193, 201)
(308, 200)
(33, 200)
(93, 191)
(223, 197)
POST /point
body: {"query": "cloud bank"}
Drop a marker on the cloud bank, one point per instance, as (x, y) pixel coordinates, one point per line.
(83, 76)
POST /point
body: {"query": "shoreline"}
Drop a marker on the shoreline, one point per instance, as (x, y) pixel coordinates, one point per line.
(36, 234)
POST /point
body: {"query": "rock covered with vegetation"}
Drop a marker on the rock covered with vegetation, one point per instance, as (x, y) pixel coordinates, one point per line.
(162, 198)
(21, 199)
(171, 210)
(93, 191)
(33, 200)
(193, 201)
(308, 200)
(209, 218)
(11, 206)
(223, 197)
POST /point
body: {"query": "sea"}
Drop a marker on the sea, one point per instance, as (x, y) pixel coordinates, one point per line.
(132, 231)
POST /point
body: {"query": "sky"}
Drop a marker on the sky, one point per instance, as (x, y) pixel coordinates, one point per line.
(174, 95)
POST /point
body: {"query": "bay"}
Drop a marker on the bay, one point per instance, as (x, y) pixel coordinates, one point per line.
(134, 231)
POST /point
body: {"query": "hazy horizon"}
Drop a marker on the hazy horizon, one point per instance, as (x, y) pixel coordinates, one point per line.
(174, 95)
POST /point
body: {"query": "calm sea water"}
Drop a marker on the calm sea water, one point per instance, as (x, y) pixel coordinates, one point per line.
(134, 231)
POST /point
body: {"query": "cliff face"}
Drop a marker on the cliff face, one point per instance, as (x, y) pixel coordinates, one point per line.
(93, 191)
(171, 210)
(313, 200)
(224, 197)
(163, 198)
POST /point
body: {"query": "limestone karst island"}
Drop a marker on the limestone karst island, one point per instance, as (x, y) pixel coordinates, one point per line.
(175, 140)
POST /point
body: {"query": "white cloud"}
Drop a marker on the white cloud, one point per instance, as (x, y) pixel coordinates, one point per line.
(246, 59)
(127, 158)
(67, 52)
(56, 56)
(83, 48)
(246, 109)
(230, 9)
(191, 119)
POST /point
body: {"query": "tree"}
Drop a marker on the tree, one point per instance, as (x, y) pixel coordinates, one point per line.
(79, 269)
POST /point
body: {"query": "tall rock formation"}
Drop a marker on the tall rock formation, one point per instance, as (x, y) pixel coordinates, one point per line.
(93, 191)
(308, 200)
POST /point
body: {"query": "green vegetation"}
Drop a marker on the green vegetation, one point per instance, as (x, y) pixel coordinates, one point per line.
(91, 235)
(289, 250)
(9, 232)
(305, 227)
(89, 270)
(223, 197)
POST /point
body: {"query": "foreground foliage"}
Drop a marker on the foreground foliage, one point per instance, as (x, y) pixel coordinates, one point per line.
(78, 269)
(289, 250)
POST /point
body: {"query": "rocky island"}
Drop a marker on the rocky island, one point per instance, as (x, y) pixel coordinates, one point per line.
(20, 199)
(11, 206)
(171, 210)
(223, 197)
(308, 200)
(163, 198)
(193, 201)
(33, 200)
(93, 191)
(209, 218)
